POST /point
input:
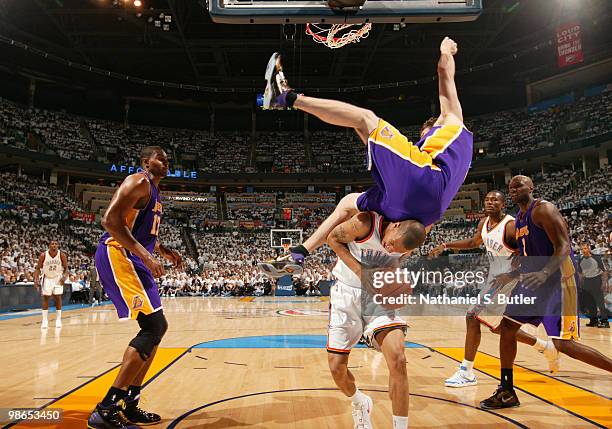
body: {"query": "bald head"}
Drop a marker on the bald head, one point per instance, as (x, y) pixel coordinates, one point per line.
(521, 189)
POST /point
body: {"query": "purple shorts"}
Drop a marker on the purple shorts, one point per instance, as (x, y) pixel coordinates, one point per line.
(127, 281)
(555, 307)
(416, 181)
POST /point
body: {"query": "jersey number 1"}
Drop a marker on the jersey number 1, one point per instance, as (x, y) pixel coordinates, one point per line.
(155, 227)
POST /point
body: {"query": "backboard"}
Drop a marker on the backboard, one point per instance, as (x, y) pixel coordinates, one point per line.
(373, 11)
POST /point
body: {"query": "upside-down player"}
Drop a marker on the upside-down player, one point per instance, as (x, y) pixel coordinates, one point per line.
(415, 183)
(496, 231)
(127, 270)
(547, 275)
(357, 241)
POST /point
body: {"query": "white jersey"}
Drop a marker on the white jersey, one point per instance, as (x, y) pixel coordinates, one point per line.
(52, 266)
(498, 251)
(368, 251)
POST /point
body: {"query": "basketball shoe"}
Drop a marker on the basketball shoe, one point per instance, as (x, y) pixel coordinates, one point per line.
(139, 417)
(361, 414)
(277, 87)
(502, 398)
(461, 378)
(112, 417)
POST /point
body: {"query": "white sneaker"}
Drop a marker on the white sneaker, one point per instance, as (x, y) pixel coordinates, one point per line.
(58, 323)
(461, 379)
(551, 354)
(44, 324)
(361, 414)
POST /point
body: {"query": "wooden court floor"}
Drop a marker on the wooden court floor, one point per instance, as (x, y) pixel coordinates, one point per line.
(260, 363)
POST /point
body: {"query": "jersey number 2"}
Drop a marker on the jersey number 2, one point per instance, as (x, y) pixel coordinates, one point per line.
(155, 227)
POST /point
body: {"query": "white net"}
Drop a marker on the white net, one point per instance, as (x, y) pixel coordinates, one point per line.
(338, 35)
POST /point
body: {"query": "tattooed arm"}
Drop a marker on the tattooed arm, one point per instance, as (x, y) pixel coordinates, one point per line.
(355, 228)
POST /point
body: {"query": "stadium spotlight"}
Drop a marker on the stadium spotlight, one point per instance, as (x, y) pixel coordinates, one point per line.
(157, 23)
(166, 27)
(137, 3)
(168, 18)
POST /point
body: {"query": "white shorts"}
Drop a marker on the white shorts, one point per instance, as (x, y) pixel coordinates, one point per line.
(347, 325)
(51, 286)
(492, 314)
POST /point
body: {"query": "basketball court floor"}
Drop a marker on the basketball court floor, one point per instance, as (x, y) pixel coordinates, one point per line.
(261, 363)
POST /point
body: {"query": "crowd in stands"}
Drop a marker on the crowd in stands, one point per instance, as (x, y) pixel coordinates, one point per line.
(251, 207)
(340, 151)
(287, 150)
(42, 130)
(508, 132)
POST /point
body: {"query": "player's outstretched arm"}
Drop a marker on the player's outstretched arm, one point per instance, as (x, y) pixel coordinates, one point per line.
(346, 209)
(469, 243)
(339, 113)
(353, 229)
(450, 107)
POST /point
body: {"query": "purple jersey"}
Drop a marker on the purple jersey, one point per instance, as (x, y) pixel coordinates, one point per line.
(555, 302)
(416, 181)
(143, 223)
(534, 245)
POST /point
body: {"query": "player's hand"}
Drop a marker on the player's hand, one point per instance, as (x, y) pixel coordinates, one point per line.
(534, 280)
(448, 46)
(503, 279)
(436, 251)
(174, 257)
(156, 268)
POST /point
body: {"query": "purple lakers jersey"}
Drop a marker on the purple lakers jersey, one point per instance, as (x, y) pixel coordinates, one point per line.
(535, 247)
(416, 181)
(143, 223)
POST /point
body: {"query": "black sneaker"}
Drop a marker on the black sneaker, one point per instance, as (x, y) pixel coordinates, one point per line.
(109, 418)
(604, 324)
(593, 323)
(275, 95)
(139, 417)
(502, 398)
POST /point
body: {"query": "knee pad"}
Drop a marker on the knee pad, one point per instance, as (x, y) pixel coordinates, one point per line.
(152, 329)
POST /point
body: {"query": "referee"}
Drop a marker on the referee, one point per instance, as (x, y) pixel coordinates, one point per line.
(594, 277)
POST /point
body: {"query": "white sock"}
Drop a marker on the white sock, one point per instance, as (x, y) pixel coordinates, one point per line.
(468, 365)
(400, 422)
(540, 345)
(45, 315)
(358, 397)
(58, 314)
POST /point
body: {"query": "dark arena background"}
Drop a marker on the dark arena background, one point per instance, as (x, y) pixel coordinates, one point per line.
(85, 85)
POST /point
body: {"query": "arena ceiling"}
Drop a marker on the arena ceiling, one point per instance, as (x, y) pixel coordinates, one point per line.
(113, 37)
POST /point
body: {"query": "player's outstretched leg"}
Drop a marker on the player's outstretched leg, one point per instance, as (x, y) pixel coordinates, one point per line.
(392, 346)
(583, 353)
(465, 377)
(361, 403)
(279, 95)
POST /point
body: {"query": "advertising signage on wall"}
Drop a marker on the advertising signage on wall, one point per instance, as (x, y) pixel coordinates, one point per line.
(131, 169)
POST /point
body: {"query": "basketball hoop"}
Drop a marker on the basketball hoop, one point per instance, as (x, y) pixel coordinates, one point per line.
(338, 35)
(286, 246)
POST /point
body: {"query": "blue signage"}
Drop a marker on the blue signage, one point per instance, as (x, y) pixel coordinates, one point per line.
(130, 169)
